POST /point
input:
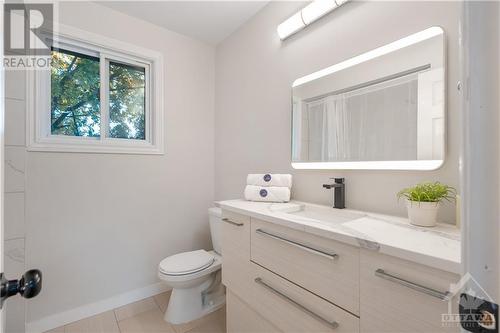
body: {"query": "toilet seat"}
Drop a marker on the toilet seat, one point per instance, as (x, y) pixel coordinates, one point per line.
(186, 263)
(191, 277)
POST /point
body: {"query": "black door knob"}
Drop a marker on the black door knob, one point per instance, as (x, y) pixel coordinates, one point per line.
(28, 286)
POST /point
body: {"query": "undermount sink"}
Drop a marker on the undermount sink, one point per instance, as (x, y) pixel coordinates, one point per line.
(324, 213)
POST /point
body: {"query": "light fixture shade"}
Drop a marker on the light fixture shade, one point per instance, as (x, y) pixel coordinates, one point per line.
(291, 26)
(312, 12)
(317, 9)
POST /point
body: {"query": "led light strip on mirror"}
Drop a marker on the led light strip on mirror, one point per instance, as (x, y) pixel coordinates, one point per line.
(375, 53)
(371, 165)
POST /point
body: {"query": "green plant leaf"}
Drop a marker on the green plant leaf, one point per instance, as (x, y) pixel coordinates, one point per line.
(428, 192)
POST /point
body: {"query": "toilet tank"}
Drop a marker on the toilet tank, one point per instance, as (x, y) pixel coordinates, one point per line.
(215, 220)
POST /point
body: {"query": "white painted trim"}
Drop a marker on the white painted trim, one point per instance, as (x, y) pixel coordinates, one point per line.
(88, 310)
(36, 135)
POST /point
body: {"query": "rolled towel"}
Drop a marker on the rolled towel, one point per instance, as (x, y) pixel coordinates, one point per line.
(269, 179)
(267, 194)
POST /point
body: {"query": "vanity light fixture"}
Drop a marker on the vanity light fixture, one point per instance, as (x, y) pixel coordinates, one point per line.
(312, 12)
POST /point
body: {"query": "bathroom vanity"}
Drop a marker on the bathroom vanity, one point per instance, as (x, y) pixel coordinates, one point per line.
(300, 267)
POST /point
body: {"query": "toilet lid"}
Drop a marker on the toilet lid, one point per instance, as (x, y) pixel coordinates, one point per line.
(186, 262)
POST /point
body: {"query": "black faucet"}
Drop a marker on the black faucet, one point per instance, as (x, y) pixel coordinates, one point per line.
(338, 193)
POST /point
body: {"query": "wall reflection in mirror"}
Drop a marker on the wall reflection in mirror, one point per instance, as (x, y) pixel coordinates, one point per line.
(385, 105)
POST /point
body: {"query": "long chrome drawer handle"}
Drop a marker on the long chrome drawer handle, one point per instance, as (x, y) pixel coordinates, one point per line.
(225, 219)
(332, 324)
(300, 246)
(444, 296)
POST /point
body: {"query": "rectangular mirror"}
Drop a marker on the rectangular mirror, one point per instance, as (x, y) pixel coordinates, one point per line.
(384, 109)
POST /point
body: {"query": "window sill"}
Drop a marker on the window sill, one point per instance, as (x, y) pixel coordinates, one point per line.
(138, 149)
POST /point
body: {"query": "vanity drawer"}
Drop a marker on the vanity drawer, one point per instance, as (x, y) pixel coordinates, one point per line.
(322, 266)
(401, 296)
(243, 319)
(293, 309)
(235, 246)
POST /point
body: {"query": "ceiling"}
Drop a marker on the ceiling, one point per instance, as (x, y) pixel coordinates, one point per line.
(209, 21)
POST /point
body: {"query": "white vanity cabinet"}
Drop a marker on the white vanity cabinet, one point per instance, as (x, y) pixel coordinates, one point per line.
(235, 241)
(283, 279)
(291, 308)
(242, 318)
(401, 296)
(323, 266)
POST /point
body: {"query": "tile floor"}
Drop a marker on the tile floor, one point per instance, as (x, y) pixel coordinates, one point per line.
(145, 316)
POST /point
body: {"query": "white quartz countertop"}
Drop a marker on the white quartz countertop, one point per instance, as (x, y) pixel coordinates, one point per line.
(437, 247)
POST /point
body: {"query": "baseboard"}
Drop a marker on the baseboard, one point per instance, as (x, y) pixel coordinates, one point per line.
(85, 311)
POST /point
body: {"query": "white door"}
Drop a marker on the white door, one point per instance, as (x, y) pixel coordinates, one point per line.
(480, 167)
(2, 104)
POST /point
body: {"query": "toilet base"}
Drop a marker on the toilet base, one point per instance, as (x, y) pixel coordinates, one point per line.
(188, 304)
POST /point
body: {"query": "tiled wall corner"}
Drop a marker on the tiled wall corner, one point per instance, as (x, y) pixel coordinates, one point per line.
(14, 267)
(15, 175)
(14, 169)
(14, 214)
(15, 122)
(15, 84)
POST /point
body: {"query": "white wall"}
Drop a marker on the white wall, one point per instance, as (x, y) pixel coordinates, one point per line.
(98, 225)
(254, 74)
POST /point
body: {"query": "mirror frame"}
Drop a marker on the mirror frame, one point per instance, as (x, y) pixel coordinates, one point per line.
(421, 165)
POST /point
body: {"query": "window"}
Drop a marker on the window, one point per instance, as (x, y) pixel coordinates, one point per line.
(75, 97)
(97, 99)
(127, 101)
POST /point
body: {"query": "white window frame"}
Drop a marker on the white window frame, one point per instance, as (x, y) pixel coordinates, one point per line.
(39, 136)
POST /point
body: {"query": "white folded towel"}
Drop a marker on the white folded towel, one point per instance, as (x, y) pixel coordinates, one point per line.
(270, 179)
(267, 194)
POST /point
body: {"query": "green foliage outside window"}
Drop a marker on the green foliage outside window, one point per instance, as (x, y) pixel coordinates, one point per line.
(75, 97)
(126, 101)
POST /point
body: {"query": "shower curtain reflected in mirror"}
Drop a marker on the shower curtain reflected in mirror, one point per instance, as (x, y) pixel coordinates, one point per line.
(376, 123)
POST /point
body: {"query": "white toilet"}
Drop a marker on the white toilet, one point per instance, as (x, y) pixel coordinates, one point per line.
(195, 279)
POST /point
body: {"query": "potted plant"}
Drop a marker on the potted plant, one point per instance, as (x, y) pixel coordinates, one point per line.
(423, 201)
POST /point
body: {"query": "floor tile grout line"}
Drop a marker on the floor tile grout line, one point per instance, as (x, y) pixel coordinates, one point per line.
(156, 302)
(198, 323)
(172, 328)
(116, 320)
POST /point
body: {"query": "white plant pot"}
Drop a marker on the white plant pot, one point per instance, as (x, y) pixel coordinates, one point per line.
(423, 214)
